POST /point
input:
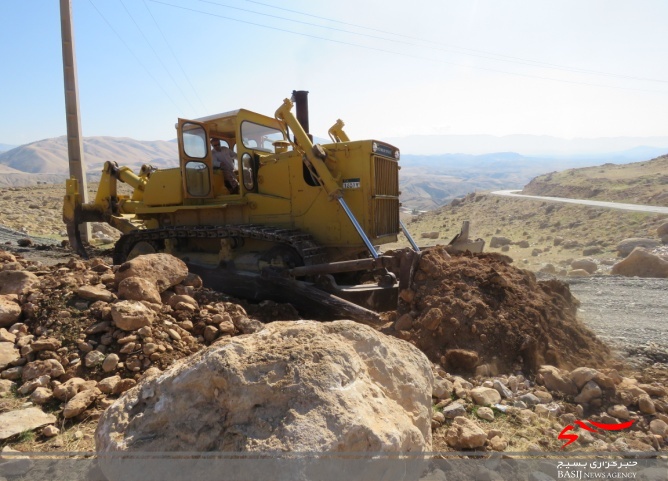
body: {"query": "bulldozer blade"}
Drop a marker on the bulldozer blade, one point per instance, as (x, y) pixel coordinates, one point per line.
(305, 297)
(74, 236)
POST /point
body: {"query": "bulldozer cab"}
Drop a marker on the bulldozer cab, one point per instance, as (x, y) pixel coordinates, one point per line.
(246, 133)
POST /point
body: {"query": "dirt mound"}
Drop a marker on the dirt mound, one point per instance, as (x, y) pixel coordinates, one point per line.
(471, 309)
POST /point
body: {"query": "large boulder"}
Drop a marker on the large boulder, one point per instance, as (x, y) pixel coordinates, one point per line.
(294, 386)
(625, 247)
(163, 270)
(641, 263)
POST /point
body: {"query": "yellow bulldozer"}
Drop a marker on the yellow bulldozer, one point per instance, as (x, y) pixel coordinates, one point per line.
(304, 224)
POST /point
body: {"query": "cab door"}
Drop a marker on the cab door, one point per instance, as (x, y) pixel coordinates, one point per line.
(195, 159)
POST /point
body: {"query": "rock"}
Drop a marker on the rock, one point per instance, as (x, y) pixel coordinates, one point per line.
(45, 344)
(453, 410)
(18, 421)
(431, 319)
(502, 389)
(131, 315)
(6, 336)
(591, 251)
(465, 434)
(662, 230)
(17, 282)
(80, 402)
(442, 388)
(8, 354)
(484, 396)
(625, 247)
(10, 311)
(577, 273)
(548, 269)
(293, 386)
(544, 397)
(582, 375)
(6, 387)
(556, 380)
(657, 427)
(138, 289)
(163, 270)
(110, 362)
(461, 359)
(70, 388)
(589, 392)
(429, 235)
(95, 293)
(50, 431)
(94, 358)
(497, 443)
(585, 264)
(529, 399)
(485, 413)
(641, 263)
(48, 367)
(404, 323)
(524, 244)
(646, 405)
(30, 386)
(619, 411)
(108, 384)
(498, 241)
(41, 395)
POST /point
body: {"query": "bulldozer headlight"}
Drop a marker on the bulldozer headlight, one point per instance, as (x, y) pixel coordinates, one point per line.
(374, 147)
(396, 154)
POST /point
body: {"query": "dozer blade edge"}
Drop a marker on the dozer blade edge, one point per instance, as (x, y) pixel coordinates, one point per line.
(306, 298)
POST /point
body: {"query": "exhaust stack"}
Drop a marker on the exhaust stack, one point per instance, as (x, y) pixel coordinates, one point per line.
(300, 98)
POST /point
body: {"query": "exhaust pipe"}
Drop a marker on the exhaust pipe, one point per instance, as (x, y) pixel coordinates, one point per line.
(300, 98)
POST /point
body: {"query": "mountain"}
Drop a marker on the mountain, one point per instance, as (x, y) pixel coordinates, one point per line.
(429, 181)
(531, 145)
(6, 147)
(638, 182)
(49, 156)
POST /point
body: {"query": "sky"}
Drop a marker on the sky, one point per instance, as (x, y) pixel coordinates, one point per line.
(387, 68)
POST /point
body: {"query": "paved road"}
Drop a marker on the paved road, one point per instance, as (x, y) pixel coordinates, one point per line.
(596, 203)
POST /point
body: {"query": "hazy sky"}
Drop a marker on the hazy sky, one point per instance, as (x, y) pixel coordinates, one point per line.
(388, 68)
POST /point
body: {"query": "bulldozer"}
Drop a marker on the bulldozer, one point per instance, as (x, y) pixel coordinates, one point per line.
(304, 225)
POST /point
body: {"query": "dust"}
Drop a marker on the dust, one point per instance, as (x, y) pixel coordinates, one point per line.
(467, 310)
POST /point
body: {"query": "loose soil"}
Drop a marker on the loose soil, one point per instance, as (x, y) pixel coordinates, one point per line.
(510, 320)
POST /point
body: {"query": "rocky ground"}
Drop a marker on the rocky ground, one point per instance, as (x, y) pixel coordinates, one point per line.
(77, 335)
(513, 365)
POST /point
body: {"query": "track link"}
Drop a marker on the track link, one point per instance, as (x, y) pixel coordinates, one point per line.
(310, 252)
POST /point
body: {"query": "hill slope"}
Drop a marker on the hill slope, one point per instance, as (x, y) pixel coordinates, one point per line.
(637, 183)
(49, 156)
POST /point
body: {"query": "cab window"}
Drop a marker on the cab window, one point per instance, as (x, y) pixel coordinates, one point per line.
(259, 137)
(195, 143)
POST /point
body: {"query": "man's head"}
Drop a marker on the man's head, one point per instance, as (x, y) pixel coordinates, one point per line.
(215, 143)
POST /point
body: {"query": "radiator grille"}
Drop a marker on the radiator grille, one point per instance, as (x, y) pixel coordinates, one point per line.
(386, 173)
(386, 216)
(386, 196)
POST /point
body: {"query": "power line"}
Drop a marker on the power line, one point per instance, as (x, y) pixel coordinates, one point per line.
(156, 54)
(475, 53)
(135, 56)
(391, 52)
(174, 55)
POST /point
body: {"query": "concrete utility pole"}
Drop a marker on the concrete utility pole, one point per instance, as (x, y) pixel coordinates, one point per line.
(74, 138)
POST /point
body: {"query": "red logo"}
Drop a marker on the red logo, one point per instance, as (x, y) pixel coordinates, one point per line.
(606, 427)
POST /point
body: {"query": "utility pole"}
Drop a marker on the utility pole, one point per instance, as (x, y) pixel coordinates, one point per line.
(74, 138)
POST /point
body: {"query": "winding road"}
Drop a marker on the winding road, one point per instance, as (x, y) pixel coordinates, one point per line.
(594, 203)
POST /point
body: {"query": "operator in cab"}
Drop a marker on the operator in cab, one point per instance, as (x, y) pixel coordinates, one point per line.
(223, 159)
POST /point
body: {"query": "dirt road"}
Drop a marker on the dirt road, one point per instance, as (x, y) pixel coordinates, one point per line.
(628, 313)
